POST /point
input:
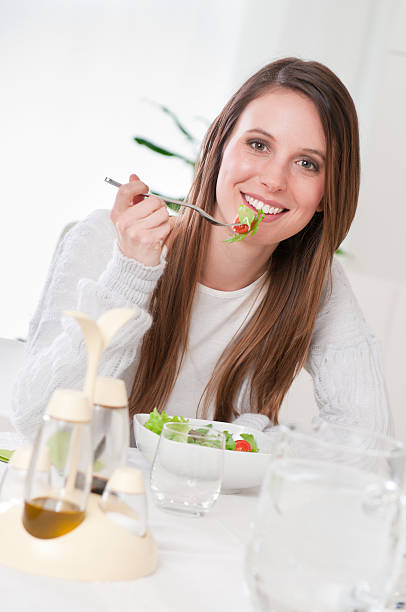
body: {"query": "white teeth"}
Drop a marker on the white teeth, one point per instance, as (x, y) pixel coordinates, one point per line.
(268, 210)
(255, 203)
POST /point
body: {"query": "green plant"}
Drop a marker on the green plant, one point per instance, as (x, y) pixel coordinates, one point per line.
(160, 150)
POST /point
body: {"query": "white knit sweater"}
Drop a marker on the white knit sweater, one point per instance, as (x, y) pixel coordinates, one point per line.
(90, 274)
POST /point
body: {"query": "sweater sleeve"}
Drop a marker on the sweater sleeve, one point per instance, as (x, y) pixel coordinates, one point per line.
(345, 361)
(89, 274)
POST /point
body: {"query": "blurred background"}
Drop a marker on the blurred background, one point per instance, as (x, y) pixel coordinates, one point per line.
(79, 78)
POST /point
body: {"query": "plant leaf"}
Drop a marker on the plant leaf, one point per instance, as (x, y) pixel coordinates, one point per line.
(203, 120)
(170, 205)
(176, 121)
(161, 151)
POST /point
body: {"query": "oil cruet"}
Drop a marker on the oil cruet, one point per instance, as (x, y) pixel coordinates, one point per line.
(83, 531)
(54, 509)
(66, 431)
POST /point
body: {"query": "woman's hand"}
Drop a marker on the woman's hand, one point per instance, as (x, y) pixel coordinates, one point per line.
(142, 224)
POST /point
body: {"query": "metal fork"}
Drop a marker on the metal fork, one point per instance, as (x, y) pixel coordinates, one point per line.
(201, 212)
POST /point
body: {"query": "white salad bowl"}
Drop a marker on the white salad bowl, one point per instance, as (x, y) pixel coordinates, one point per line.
(242, 470)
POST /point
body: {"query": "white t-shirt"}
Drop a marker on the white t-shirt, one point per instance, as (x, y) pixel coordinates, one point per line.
(217, 317)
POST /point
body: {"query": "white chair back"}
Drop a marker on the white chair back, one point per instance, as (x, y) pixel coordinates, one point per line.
(11, 355)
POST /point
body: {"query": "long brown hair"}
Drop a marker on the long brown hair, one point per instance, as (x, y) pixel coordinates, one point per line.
(274, 345)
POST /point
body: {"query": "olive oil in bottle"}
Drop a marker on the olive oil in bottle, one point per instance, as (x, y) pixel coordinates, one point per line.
(45, 517)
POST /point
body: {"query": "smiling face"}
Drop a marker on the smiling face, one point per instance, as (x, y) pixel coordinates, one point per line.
(274, 160)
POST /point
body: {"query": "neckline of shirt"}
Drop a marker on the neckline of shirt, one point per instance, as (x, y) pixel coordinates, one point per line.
(227, 295)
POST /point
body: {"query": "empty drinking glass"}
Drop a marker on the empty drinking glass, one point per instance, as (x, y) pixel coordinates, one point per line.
(187, 470)
(328, 533)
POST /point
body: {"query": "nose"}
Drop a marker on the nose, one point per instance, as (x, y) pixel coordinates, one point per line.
(273, 175)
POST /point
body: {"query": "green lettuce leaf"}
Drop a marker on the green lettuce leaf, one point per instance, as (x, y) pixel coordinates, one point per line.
(230, 444)
(182, 431)
(5, 455)
(246, 215)
(157, 420)
(250, 219)
(251, 440)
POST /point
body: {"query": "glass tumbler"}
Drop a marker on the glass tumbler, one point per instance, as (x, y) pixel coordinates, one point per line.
(328, 532)
(187, 470)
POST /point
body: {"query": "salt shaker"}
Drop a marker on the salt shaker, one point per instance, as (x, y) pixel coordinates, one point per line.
(124, 501)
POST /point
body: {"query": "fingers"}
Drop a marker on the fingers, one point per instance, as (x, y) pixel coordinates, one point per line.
(150, 217)
(142, 228)
(143, 243)
(128, 195)
(144, 211)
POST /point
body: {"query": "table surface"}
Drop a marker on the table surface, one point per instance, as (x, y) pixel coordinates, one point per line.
(200, 565)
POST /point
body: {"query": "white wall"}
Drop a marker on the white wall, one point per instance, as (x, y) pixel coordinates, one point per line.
(377, 239)
(75, 76)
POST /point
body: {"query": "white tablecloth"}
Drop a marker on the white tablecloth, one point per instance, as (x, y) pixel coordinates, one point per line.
(200, 567)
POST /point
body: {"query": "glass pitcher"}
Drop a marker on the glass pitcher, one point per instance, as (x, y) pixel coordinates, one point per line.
(329, 529)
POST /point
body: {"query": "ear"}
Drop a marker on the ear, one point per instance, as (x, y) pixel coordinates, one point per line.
(320, 207)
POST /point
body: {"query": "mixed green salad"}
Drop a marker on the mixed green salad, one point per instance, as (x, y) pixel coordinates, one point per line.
(184, 432)
(250, 222)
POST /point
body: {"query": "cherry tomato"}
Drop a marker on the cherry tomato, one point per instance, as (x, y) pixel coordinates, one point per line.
(243, 445)
(240, 229)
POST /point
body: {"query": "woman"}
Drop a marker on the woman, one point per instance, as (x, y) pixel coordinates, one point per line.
(222, 329)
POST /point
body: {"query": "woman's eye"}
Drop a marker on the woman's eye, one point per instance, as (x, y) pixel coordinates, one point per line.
(307, 164)
(258, 145)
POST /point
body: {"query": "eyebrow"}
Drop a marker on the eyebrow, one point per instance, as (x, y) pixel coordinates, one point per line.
(268, 135)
